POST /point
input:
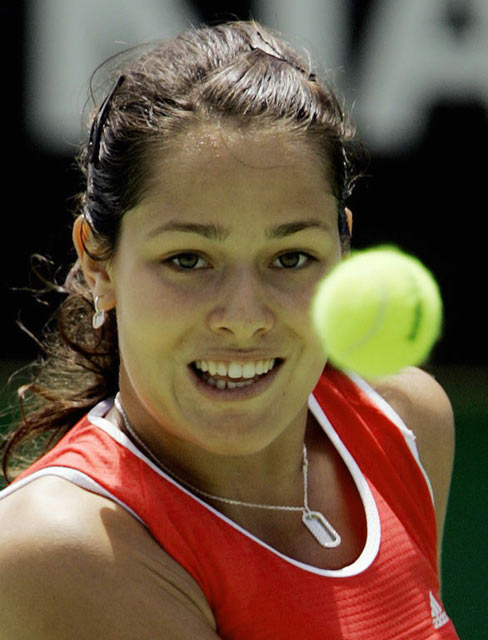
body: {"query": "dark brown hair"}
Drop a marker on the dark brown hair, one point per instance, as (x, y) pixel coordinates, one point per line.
(237, 72)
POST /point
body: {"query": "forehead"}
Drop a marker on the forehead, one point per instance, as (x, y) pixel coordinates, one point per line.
(223, 170)
(252, 145)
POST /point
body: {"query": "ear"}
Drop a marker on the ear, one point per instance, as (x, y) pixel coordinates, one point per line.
(348, 213)
(96, 272)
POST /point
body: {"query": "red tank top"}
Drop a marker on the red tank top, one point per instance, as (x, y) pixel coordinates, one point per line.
(391, 592)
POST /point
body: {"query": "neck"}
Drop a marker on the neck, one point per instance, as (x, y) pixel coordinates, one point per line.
(271, 476)
(316, 523)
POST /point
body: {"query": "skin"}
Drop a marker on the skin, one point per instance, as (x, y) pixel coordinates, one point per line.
(239, 303)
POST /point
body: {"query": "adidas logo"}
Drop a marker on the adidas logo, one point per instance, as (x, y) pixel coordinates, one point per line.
(439, 616)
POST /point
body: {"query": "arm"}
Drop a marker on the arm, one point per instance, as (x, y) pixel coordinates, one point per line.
(77, 565)
(424, 407)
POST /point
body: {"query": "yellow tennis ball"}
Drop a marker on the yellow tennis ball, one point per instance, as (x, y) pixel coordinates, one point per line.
(377, 312)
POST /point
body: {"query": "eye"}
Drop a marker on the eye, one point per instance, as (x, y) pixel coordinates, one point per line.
(187, 261)
(294, 259)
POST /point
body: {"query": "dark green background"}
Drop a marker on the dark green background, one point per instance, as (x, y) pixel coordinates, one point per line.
(465, 557)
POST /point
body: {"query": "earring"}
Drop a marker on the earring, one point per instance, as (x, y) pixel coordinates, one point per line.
(99, 316)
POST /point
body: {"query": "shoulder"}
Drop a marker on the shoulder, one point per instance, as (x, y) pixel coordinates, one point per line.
(422, 404)
(79, 564)
(425, 408)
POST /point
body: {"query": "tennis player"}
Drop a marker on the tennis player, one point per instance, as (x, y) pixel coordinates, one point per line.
(205, 473)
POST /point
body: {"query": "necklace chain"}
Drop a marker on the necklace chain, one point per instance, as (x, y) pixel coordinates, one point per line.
(315, 522)
(240, 503)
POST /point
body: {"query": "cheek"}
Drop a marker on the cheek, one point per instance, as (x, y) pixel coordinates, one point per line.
(153, 318)
(295, 303)
(301, 319)
(149, 300)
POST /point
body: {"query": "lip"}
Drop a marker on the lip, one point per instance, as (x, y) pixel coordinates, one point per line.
(240, 393)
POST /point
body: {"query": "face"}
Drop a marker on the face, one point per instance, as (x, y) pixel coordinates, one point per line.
(212, 280)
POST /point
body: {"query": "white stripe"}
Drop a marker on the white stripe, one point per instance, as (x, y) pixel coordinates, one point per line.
(371, 547)
(373, 522)
(373, 538)
(390, 413)
(74, 476)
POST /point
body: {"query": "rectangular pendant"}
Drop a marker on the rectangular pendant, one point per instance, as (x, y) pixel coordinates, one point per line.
(321, 529)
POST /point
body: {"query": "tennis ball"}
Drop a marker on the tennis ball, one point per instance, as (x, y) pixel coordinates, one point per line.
(377, 312)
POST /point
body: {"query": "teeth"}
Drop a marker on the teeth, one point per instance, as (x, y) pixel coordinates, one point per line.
(228, 384)
(249, 370)
(236, 370)
(243, 374)
(222, 369)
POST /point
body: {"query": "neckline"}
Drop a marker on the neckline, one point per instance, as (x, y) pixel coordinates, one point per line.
(373, 535)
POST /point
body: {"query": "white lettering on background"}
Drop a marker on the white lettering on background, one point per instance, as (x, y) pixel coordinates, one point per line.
(68, 39)
(319, 26)
(410, 58)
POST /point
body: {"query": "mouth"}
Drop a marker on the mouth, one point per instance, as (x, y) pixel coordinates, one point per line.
(234, 379)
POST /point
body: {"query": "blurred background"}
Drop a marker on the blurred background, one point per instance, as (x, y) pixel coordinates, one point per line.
(415, 74)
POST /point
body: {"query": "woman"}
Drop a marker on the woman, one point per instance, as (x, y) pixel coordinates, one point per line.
(237, 487)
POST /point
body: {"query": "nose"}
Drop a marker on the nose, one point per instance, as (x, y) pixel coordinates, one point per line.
(242, 308)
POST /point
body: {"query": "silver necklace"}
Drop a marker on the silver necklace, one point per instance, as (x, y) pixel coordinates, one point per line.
(314, 521)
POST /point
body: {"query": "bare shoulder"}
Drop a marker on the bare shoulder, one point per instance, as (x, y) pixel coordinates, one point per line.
(422, 404)
(75, 564)
(425, 408)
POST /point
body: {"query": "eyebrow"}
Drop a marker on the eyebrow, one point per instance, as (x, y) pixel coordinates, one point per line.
(220, 233)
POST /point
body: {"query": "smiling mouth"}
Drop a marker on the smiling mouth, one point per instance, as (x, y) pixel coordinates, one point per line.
(225, 382)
